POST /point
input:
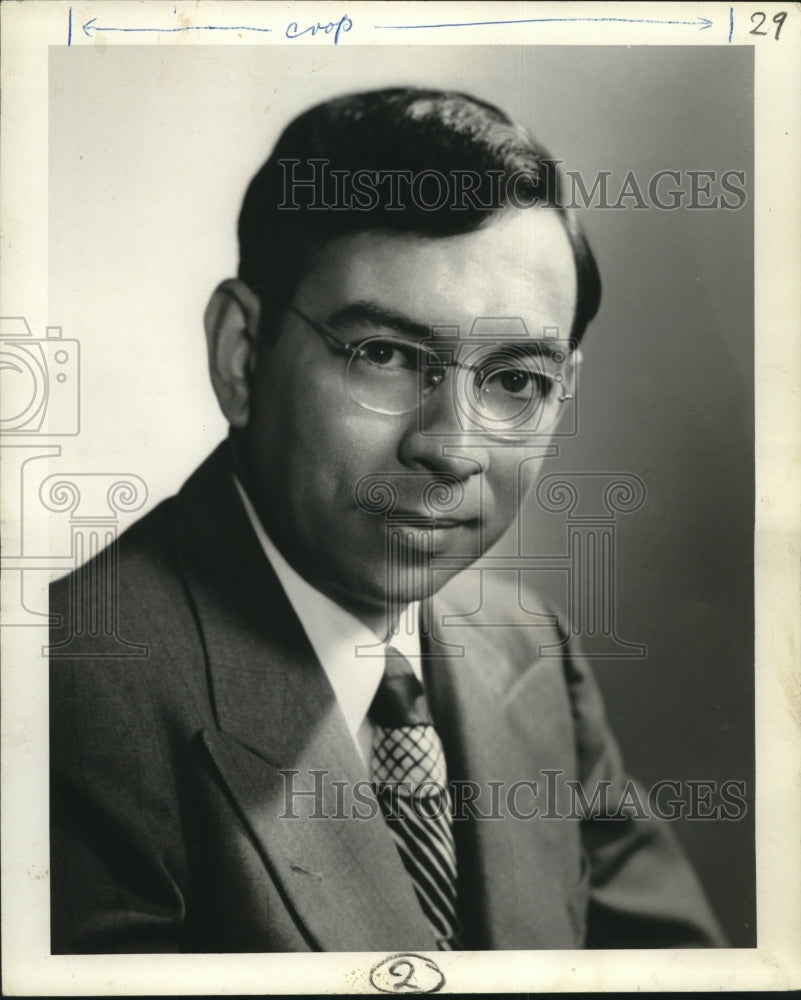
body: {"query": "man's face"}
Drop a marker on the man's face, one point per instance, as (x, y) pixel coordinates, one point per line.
(310, 444)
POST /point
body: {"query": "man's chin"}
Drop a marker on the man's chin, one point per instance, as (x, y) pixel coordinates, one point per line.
(377, 599)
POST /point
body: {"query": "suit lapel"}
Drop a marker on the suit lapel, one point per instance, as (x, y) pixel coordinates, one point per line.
(511, 889)
(281, 733)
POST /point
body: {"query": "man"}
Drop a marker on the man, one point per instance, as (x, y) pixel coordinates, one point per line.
(316, 754)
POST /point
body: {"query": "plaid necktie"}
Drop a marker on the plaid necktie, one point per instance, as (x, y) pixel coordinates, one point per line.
(408, 769)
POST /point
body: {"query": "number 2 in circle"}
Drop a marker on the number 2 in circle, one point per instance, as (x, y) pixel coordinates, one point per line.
(408, 981)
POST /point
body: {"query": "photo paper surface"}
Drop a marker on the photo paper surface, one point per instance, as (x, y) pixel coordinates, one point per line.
(496, 372)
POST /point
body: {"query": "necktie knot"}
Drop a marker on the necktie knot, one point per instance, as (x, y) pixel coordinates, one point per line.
(400, 700)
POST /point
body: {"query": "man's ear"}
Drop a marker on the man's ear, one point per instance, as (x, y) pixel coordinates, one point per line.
(232, 323)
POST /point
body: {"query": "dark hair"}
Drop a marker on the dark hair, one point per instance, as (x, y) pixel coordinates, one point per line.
(419, 133)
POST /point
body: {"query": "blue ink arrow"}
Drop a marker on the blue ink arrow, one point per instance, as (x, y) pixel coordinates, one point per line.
(90, 26)
(702, 22)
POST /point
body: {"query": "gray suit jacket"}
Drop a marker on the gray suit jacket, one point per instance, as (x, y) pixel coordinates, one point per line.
(175, 823)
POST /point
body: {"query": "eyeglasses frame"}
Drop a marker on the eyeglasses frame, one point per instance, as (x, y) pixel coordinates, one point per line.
(349, 350)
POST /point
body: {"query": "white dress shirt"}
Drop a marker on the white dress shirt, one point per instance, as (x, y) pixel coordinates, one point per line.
(351, 654)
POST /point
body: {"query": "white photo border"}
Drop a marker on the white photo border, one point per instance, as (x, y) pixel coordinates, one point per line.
(30, 30)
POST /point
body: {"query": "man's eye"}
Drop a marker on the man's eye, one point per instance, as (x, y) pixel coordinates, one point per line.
(388, 354)
(515, 382)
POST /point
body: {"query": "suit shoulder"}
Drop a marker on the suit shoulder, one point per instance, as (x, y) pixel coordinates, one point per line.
(140, 554)
(529, 634)
(146, 555)
(498, 598)
(501, 592)
(127, 601)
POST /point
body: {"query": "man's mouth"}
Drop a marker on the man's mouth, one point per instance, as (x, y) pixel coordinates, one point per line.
(414, 519)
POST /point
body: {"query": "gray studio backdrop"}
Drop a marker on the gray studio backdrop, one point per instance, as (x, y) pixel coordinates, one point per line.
(150, 151)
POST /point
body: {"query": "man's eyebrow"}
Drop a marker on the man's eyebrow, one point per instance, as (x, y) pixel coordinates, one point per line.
(373, 314)
(370, 313)
(542, 347)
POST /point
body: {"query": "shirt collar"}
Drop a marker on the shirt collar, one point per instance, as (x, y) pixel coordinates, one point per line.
(350, 653)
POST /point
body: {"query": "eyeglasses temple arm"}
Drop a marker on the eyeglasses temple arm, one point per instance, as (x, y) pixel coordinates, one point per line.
(333, 342)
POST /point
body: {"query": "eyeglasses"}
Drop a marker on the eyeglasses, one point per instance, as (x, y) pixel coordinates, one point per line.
(502, 389)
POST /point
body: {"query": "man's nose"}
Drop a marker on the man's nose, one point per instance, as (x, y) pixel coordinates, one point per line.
(438, 437)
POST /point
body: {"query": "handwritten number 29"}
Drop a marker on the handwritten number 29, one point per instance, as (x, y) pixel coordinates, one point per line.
(778, 20)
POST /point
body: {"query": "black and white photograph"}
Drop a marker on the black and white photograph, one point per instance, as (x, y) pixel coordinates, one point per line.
(386, 479)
